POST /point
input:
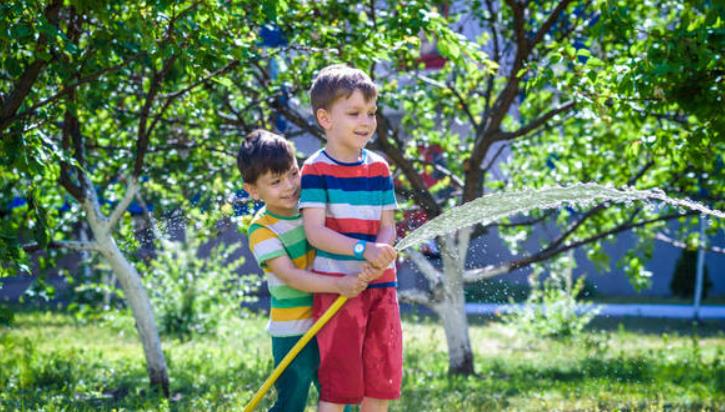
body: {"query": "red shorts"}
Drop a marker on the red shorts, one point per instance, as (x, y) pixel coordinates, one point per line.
(361, 347)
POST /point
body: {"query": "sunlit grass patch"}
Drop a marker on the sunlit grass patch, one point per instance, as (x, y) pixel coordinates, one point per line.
(52, 362)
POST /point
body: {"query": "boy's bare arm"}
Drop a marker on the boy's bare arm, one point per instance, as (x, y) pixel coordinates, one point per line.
(307, 281)
(387, 233)
(323, 237)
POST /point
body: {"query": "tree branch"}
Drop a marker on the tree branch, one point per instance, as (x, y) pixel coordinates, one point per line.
(222, 70)
(554, 244)
(421, 194)
(67, 182)
(142, 141)
(487, 272)
(490, 124)
(553, 17)
(492, 271)
(536, 123)
(121, 207)
(299, 120)
(450, 87)
(67, 89)
(144, 131)
(493, 20)
(682, 245)
(529, 222)
(455, 179)
(547, 254)
(22, 87)
(69, 244)
(415, 296)
(463, 104)
(169, 98)
(494, 32)
(493, 159)
(431, 274)
(71, 137)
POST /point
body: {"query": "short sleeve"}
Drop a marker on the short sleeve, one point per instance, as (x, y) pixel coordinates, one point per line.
(389, 200)
(314, 188)
(265, 244)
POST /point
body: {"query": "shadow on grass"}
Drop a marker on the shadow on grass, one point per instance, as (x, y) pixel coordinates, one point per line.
(655, 326)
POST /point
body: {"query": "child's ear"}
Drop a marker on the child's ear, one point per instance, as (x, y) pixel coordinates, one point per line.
(252, 190)
(323, 118)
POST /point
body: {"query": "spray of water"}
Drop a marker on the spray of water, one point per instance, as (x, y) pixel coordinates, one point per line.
(490, 208)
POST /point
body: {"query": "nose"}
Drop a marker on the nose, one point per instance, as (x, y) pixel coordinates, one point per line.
(289, 183)
(370, 121)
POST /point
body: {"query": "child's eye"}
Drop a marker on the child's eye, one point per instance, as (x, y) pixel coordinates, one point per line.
(275, 182)
(353, 114)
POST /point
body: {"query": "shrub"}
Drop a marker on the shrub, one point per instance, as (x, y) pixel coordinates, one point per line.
(552, 309)
(190, 294)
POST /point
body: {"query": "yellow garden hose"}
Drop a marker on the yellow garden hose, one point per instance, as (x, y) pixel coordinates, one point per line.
(329, 313)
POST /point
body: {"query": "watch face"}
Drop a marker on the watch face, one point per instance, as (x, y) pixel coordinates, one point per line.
(358, 248)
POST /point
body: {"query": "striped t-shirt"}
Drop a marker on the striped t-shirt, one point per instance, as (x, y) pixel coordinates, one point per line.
(271, 236)
(354, 196)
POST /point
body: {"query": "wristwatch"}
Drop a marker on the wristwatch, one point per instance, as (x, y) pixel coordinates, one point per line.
(359, 249)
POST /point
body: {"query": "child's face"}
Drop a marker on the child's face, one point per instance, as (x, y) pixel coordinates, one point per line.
(279, 192)
(350, 122)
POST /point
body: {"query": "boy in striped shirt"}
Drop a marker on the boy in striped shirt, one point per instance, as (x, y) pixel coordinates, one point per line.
(277, 240)
(348, 208)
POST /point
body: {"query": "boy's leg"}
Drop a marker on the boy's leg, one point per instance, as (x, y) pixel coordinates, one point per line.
(330, 407)
(293, 386)
(383, 355)
(340, 342)
(374, 405)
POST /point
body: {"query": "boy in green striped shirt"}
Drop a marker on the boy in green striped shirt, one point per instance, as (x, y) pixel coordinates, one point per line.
(277, 240)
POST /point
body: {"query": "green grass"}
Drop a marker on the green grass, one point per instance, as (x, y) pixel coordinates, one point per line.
(49, 361)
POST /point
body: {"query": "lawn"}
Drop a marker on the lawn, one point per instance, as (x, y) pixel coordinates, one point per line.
(50, 361)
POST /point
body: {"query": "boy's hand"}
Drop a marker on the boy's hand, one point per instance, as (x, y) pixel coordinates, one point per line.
(380, 255)
(370, 273)
(350, 286)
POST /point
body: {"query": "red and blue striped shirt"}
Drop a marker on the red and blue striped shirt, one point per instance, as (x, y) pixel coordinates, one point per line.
(354, 196)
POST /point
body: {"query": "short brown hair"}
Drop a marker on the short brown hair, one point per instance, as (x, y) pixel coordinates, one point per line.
(263, 152)
(339, 80)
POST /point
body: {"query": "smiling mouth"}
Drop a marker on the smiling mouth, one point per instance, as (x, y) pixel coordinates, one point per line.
(362, 134)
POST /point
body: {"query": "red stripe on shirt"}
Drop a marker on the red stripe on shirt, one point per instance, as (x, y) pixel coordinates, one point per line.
(367, 170)
(365, 227)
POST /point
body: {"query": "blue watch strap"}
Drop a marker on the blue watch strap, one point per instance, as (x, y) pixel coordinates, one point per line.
(359, 249)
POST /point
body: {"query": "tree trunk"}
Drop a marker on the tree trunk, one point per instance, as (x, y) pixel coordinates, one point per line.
(451, 309)
(133, 289)
(142, 312)
(453, 315)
